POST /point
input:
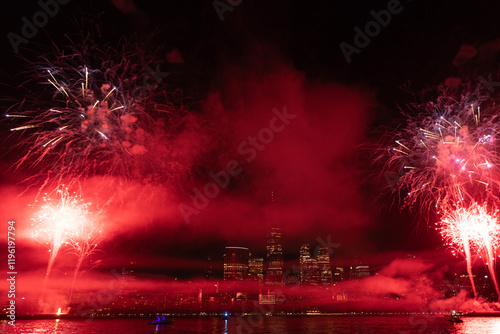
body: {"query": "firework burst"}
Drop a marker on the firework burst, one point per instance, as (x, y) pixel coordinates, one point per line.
(98, 113)
(92, 126)
(62, 220)
(446, 158)
(447, 155)
(473, 230)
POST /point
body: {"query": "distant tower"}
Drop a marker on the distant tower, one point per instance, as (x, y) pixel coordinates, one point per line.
(362, 271)
(209, 269)
(236, 263)
(305, 255)
(275, 263)
(312, 272)
(256, 269)
(338, 274)
(324, 266)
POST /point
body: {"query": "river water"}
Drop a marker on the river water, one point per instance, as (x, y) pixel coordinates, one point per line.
(260, 325)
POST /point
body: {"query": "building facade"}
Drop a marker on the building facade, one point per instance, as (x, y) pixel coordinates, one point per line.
(275, 262)
(324, 265)
(236, 263)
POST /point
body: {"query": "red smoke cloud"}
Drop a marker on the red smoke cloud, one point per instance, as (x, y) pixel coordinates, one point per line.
(288, 136)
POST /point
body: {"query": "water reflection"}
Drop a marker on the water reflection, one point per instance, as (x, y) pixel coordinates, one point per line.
(478, 326)
(268, 325)
(56, 325)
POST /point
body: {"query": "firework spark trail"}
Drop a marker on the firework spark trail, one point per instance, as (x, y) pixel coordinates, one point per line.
(468, 259)
(59, 220)
(473, 228)
(447, 155)
(454, 230)
(491, 264)
(84, 243)
(488, 238)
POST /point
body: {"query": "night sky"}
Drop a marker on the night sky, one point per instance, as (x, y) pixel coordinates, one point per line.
(231, 75)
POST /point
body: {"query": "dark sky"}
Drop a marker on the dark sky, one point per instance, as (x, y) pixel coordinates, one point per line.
(264, 56)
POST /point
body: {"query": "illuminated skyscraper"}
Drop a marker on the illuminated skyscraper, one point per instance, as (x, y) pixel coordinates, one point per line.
(312, 273)
(275, 263)
(317, 270)
(338, 274)
(305, 255)
(256, 269)
(362, 271)
(236, 263)
(324, 266)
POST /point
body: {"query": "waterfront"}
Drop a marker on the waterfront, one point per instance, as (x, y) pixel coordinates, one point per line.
(260, 325)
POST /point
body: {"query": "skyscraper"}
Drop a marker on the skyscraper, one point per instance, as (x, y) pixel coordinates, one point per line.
(305, 255)
(209, 269)
(275, 263)
(325, 268)
(312, 273)
(236, 263)
(256, 269)
(317, 270)
(362, 271)
(338, 274)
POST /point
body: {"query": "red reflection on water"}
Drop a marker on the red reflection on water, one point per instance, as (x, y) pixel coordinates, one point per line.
(479, 326)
